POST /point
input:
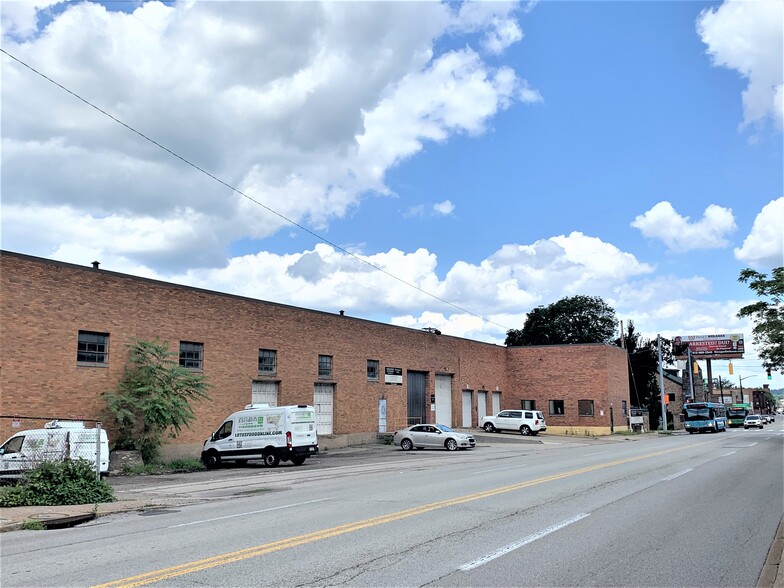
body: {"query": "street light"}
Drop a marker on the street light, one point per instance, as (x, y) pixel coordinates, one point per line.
(741, 384)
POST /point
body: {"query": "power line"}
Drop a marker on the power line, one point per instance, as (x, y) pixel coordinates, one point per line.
(244, 195)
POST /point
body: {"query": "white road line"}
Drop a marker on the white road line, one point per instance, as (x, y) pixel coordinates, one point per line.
(244, 514)
(530, 539)
(672, 477)
(598, 453)
(551, 443)
(753, 444)
(730, 453)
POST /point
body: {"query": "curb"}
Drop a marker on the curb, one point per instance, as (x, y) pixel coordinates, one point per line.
(773, 572)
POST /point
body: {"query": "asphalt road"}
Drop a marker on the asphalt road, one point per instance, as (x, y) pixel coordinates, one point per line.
(666, 511)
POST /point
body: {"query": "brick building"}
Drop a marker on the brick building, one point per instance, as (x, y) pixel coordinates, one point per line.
(64, 331)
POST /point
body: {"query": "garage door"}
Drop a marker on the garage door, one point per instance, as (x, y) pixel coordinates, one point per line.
(481, 405)
(323, 398)
(416, 397)
(264, 393)
(444, 400)
(466, 408)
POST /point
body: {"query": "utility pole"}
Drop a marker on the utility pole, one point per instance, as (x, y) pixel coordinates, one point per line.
(661, 386)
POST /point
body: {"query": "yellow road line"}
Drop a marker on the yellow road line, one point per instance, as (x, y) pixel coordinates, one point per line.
(227, 558)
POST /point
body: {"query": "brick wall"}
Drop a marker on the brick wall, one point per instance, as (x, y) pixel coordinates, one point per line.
(45, 304)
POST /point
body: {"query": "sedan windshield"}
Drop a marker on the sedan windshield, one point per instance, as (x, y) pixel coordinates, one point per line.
(445, 429)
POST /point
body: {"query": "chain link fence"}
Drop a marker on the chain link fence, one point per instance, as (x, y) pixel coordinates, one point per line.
(35, 440)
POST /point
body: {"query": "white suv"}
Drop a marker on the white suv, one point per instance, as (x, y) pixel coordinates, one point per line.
(527, 422)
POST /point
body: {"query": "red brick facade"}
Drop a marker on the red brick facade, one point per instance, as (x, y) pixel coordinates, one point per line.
(45, 304)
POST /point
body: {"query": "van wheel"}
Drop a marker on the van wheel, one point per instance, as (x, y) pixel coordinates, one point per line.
(212, 460)
(525, 430)
(451, 445)
(297, 460)
(489, 428)
(406, 445)
(271, 460)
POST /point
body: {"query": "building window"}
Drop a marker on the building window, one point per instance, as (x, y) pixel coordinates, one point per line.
(372, 370)
(623, 407)
(93, 348)
(671, 396)
(325, 367)
(528, 404)
(556, 407)
(192, 355)
(268, 361)
(585, 408)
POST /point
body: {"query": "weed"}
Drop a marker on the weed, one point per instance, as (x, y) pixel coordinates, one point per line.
(33, 525)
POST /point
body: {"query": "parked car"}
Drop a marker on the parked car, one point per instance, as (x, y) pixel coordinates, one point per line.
(765, 419)
(427, 436)
(753, 420)
(772, 417)
(527, 422)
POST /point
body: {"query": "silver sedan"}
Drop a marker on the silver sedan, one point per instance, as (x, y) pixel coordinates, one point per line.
(433, 437)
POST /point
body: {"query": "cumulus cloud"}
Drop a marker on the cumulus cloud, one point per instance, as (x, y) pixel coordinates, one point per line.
(444, 208)
(679, 234)
(764, 246)
(749, 38)
(304, 107)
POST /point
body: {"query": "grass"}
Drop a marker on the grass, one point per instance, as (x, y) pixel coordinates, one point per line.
(33, 525)
(176, 466)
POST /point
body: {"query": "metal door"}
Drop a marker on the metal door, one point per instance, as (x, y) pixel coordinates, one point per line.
(263, 392)
(444, 400)
(481, 405)
(496, 402)
(466, 408)
(323, 398)
(416, 397)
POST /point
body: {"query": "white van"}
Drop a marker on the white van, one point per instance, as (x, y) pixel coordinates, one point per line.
(57, 441)
(261, 431)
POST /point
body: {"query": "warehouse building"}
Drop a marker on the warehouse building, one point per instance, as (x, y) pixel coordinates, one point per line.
(64, 331)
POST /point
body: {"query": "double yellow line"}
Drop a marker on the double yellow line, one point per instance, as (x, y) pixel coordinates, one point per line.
(227, 558)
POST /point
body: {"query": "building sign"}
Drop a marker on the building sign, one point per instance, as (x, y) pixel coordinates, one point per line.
(710, 346)
(393, 376)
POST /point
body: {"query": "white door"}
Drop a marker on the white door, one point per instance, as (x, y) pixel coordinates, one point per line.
(496, 402)
(467, 408)
(264, 393)
(444, 400)
(323, 395)
(481, 405)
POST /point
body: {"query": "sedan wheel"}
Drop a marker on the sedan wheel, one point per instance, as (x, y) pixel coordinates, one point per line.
(406, 445)
(489, 428)
(451, 444)
(525, 430)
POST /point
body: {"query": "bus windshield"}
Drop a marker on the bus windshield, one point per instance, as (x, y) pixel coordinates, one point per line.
(697, 414)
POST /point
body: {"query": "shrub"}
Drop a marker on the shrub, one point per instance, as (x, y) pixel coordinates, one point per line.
(177, 466)
(56, 483)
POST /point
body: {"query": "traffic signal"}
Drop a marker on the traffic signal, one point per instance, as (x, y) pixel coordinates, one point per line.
(730, 368)
(696, 368)
(769, 376)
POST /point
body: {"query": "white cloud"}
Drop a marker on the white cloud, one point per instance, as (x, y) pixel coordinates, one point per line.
(444, 208)
(764, 245)
(305, 107)
(748, 36)
(19, 18)
(679, 235)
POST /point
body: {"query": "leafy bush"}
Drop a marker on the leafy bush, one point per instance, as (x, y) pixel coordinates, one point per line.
(153, 398)
(56, 483)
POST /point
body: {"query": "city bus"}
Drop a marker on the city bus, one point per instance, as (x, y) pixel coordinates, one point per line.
(704, 416)
(736, 414)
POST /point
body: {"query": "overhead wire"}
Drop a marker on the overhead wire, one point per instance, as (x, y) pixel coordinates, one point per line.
(244, 195)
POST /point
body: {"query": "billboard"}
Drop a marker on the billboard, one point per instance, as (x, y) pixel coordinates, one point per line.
(709, 346)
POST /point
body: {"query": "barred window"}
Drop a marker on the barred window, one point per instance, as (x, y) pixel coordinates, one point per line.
(192, 355)
(528, 404)
(372, 370)
(268, 361)
(623, 407)
(92, 348)
(325, 367)
(585, 407)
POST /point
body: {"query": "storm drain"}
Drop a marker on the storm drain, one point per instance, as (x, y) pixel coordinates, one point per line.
(157, 511)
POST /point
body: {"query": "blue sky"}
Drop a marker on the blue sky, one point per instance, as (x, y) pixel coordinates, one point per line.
(498, 156)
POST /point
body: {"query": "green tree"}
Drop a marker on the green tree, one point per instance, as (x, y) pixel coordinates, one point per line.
(153, 398)
(575, 319)
(767, 314)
